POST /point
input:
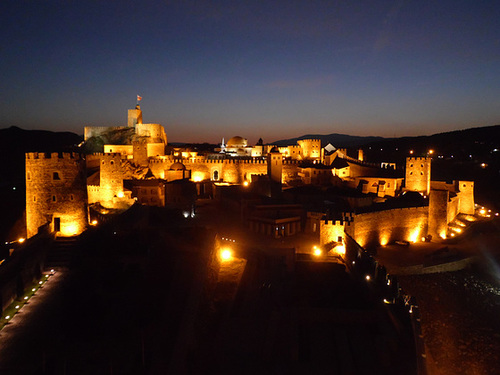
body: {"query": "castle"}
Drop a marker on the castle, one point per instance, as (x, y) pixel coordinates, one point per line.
(144, 168)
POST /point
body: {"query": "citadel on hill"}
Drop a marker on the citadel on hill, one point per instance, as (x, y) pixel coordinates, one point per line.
(143, 169)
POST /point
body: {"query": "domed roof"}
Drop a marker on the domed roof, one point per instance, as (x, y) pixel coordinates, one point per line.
(274, 149)
(177, 167)
(237, 142)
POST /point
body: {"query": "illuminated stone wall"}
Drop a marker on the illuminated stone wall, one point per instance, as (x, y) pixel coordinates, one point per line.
(438, 213)
(111, 179)
(311, 148)
(229, 170)
(418, 175)
(56, 193)
(331, 231)
(466, 188)
(383, 227)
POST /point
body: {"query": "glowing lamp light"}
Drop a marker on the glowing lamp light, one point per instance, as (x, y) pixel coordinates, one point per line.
(120, 194)
(368, 278)
(18, 307)
(482, 212)
(245, 183)
(33, 290)
(93, 222)
(25, 298)
(21, 240)
(423, 239)
(7, 317)
(431, 152)
(411, 152)
(340, 250)
(226, 255)
(40, 282)
(316, 251)
(185, 214)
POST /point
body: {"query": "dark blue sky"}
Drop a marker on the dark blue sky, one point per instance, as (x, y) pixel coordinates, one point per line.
(270, 69)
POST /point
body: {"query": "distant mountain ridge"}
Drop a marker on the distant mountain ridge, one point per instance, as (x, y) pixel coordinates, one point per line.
(336, 139)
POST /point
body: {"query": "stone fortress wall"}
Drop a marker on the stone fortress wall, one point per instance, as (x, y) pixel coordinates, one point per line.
(56, 193)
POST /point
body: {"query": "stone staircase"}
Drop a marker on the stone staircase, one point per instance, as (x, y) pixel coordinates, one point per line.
(61, 252)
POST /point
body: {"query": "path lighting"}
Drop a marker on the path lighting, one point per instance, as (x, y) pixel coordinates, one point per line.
(226, 255)
(368, 278)
(93, 222)
(21, 240)
(245, 183)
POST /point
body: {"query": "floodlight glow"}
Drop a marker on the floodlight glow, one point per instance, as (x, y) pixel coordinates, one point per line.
(368, 278)
(21, 240)
(226, 254)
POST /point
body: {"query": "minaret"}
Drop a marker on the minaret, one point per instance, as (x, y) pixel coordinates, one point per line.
(222, 146)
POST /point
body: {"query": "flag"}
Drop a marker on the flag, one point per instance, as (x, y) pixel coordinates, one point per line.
(139, 98)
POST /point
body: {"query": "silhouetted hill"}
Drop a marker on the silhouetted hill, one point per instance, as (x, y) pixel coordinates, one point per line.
(15, 142)
(338, 140)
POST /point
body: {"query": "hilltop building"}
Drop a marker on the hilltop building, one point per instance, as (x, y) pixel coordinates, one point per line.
(137, 166)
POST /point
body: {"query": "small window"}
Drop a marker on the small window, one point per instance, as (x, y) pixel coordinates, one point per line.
(112, 162)
(421, 173)
(421, 165)
(55, 176)
(411, 173)
(54, 199)
(34, 198)
(465, 185)
(411, 165)
(71, 197)
(28, 176)
(339, 239)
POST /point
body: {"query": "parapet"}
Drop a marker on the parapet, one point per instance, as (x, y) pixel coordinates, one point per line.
(417, 158)
(54, 155)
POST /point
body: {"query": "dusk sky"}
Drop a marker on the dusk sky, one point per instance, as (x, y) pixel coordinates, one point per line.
(270, 69)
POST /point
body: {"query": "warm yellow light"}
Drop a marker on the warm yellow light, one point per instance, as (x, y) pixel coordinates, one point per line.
(245, 183)
(452, 234)
(94, 222)
(482, 212)
(21, 240)
(368, 278)
(411, 152)
(340, 250)
(69, 230)
(198, 176)
(458, 230)
(414, 235)
(226, 254)
(423, 239)
(316, 251)
(431, 152)
(120, 194)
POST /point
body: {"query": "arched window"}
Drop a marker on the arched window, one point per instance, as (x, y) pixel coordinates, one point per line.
(55, 176)
(28, 176)
(54, 199)
(216, 175)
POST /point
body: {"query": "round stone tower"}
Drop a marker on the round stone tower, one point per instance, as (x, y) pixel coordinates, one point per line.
(56, 193)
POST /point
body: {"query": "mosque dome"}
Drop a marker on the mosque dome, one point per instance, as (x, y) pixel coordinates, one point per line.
(177, 167)
(274, 149)
(237, 142)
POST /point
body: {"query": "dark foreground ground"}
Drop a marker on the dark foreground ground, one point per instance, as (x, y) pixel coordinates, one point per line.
(138, 298)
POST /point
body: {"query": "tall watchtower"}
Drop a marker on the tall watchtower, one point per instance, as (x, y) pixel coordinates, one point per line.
(111, 176)
(56, 193)
(418, 175)
(274, 170)
(134, 116)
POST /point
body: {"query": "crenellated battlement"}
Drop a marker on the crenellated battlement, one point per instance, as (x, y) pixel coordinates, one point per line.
(338, 222)
(416, 158)
(53, 155)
